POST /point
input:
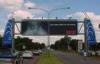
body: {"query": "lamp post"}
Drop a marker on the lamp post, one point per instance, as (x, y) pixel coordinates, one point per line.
(49, 11)
(56, 9)
(41, 10)
(85, 34)
(12, 34)
(48, 17)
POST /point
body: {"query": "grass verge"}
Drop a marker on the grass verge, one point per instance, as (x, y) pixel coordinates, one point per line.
(48, 58)
(95, 58)
(5, 63)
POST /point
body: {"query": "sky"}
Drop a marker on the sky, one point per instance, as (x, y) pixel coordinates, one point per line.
(19, 10)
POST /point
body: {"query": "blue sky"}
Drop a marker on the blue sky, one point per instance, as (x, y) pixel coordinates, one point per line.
(77, 7)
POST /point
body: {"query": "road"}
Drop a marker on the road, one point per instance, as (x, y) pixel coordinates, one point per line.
(74, 59)
(30, 60)
(21, 60)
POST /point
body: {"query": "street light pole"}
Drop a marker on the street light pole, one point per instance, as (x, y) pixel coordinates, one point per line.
(48, 16)
(85, 34)
(49, 12)
(42, 10)
(13, 40)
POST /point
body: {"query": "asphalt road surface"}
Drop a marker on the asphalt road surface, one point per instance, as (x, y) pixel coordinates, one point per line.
(74, 59)
(30, 60)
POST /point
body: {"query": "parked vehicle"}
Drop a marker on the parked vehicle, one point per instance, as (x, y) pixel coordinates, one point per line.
(27, 54)
(37, 52)
(90, 53)
(98, 52)
(40, 51)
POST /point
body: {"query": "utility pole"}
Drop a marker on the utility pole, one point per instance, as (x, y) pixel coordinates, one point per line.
(85, 37)
(13, 31)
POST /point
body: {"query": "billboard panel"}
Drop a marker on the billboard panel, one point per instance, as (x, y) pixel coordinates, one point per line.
(51, 27)
(63, 27)
(34, 28)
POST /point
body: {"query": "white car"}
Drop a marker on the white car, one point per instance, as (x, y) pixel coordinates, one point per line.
(27, 54)
(37, 52)
(92, 52)
(40, 51)
(98, 52)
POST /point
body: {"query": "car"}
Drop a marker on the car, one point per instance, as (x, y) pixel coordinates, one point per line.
(90, 53)
(40, 51)
(27, 54)
(98, 52)
(37, 52)
(83, 53)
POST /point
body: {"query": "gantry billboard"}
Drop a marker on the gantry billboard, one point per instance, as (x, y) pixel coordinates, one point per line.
(49, 27)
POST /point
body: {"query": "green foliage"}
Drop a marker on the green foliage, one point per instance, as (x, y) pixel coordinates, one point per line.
(20, 42)
(63, 44)
(0, 42)
(27, 44)
(98, 46)
(74, 44)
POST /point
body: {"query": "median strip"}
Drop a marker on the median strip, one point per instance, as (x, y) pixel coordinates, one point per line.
(48, 58)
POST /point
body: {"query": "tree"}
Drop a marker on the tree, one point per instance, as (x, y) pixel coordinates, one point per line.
(74, 44)
(0, 42)
(61, 44)
(27, 43)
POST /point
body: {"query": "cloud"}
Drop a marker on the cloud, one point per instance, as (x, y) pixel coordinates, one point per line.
(20, 15)
(11, 4)
(29, 4)
(17, 6)
(35, 9)
(32, 8)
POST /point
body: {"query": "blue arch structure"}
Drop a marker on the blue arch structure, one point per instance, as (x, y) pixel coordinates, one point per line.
(7, 37)
(90, 33)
